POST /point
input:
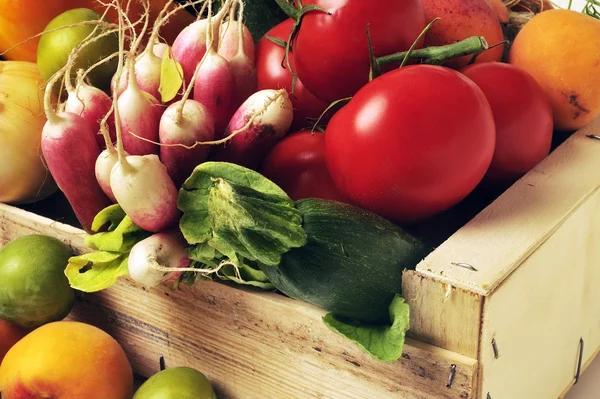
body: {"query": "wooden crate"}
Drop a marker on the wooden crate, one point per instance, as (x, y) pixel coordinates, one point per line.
(500, 310)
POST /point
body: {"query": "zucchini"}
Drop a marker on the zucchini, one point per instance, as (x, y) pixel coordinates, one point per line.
(351, 264)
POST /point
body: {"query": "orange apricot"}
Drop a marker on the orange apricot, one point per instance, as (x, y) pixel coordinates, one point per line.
(66, 360)
(560, 48)
(461, 19)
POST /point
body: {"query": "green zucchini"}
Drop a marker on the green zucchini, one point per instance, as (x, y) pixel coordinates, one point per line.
(351, 264)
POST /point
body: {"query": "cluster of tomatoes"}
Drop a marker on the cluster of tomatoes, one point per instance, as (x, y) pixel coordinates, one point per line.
(409, 143)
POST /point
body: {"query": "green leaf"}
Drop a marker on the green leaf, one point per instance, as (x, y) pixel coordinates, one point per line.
(171, 77)
(383, 342)
(120, 240)
(96, 271)
(112, 214)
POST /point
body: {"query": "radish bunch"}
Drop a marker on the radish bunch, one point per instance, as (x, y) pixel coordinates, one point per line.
(135, 147)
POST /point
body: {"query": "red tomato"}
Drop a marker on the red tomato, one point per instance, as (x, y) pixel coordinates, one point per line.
(523, 117)
(411, 143)
(273, 74)
(297, 165)
(331, 51)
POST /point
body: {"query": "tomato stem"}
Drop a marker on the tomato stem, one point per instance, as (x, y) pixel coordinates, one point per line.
(437, 55)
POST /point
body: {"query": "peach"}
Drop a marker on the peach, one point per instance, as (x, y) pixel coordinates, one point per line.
(461, 19)
(66, 360)
(561, 50)
(9, 335)
(501, 10)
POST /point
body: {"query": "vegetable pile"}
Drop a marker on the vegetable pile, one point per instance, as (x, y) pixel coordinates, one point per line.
(302, 146)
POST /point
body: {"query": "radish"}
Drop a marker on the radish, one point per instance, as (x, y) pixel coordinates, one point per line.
(92, 104)
(140, 183)
(242, 67)
(159, 49)
(106, 161)
(158, 258)
(229, 39)
(139, 117)
(191, 44)
(70, 151)
(184, 122)
(215, 83)
(257, 125)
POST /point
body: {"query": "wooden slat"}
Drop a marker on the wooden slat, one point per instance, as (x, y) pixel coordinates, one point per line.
(447, 316)
(503, 235)
(539, 313)
(251, 344)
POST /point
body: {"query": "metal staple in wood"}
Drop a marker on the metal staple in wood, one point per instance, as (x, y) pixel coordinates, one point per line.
(451, 376)
(488, 396)
(464, 265)
(593, 136)
(161, 362)
(495, 348)
(579, 361)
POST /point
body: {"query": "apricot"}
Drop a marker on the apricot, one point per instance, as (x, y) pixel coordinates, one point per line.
(10, 334)
(461, 19)
(66, 360)
(560, 48)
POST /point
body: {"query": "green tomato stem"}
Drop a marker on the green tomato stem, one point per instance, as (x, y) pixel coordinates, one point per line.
(437, 55)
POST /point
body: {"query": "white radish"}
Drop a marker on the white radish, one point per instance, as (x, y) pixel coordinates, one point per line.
(158, 258)
(190, 45)
(270, 114)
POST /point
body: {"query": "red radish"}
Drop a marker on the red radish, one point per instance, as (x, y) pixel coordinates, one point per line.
(190, 45)
(215, 84)
(259, 123)
(229, 40)
(242, 67)
(139, 114)
(158, 258)
(92, 104)
(70, 151)
(140, 183)
(185, 122)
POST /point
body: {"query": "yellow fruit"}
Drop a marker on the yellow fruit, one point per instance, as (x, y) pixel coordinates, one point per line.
(66, 360)
(561, 49)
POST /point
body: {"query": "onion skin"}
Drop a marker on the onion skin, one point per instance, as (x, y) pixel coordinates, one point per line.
(23, 175)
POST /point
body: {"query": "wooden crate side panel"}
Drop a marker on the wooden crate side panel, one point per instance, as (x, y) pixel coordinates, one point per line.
(445, 316)
(504, 234)
(538, 315)
(251, 344)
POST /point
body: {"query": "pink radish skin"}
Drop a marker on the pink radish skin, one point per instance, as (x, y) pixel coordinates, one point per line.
(245, 77)
(139, 113)
(147, 73)
(249, 147)
(165, 250)
(191, 44)
(70, 150)
(215, 89)
(104, 164)
(92, 104)
(189, 47)
(228, 44)
(195, 125)
(145, 191)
